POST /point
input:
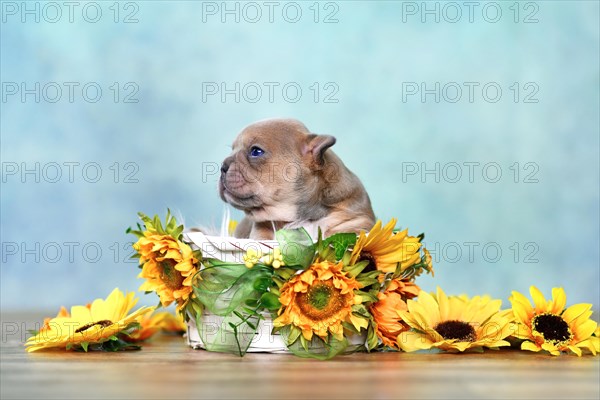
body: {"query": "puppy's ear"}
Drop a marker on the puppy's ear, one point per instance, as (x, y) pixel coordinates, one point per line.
(315, 147)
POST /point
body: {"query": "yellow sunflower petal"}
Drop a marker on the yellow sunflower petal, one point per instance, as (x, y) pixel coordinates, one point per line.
(520, 312)
(456, 305)
(530, 346)
(495, 329)
(538, 299)
(559, 300)
(460, 346)
(358, 322)
(410, 320)
(431, 307)
(575, 350)
(516, 296)
(550, 348)
(443, 303)
(575, 311)
(419, 312)
(521, 331)
(81, 313)
(413, 341)
(487, 309)
(584, 330)
(592, 345)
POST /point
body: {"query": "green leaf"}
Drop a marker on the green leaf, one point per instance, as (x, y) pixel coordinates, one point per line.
(365, 282)
(370, 297)
(340, 243)
(116, 345)
(369, 278)
(356, 269)
(303, 342)
(371, 274)
(251, 302)
(250, 311)
(349, 327)
(238, 314)
(327, 253)
(196, 307)
(278, 282)
(284, 273)
(297, 247)
(158, 225)
(130, 328)
(176, 233)
(361, 310)
(171, 223)
(372, 339)
(346, 258)
(270, 301)
(293, 336)
(261, 284)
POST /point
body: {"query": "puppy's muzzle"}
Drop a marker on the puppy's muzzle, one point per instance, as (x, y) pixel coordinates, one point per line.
(231, 179)
(234, 187)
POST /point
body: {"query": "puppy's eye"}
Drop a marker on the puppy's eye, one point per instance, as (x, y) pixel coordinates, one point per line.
(256, 151)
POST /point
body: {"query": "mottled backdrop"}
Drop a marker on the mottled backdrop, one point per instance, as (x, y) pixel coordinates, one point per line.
(475, 122)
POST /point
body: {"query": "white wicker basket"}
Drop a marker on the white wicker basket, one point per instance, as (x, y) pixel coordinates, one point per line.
(231, 249)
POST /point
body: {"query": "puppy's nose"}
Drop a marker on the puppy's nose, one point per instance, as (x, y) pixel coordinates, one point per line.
(225, 165)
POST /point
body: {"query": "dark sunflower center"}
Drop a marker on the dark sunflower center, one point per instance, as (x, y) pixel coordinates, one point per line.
(366, 256)
(170, 276)
(319, 296)
(552, 327)
(104, 323)
(321, 301)
(458, 330)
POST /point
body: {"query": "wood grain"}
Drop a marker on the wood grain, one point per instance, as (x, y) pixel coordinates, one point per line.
(167, 368)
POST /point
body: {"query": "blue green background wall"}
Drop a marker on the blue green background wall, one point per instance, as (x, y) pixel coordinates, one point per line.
(475, 124)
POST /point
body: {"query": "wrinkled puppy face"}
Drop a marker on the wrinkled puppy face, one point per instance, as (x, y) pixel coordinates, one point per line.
(272, 169)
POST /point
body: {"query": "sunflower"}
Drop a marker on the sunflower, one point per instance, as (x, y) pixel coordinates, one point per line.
(318, 300)
(388, 324)
(97, 323)
(549, 326)
(384, 249)
(453, 323)
(161, 321)
(168, 267)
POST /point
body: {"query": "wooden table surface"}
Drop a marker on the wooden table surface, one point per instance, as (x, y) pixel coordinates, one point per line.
(167, 368)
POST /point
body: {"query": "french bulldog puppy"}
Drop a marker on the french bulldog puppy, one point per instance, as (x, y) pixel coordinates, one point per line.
(283, 176)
